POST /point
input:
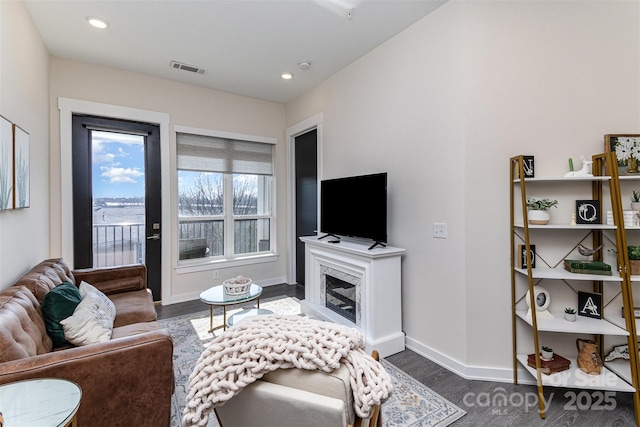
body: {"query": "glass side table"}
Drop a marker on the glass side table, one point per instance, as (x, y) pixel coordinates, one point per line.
(216, 296)
(43, 402)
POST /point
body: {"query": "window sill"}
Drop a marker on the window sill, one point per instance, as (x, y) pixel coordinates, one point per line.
(203, 264)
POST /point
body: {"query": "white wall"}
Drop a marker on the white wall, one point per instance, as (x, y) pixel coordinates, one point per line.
(187, 105)
(24, 100)
(442, 107)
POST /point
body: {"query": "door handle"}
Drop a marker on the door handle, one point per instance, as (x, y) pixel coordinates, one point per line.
(155, 236)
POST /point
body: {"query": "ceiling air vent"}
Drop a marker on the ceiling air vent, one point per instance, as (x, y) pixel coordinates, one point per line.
(187, 67)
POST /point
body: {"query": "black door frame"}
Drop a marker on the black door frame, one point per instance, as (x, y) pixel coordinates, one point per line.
(314, 122)
(82, 125)
(305, 171)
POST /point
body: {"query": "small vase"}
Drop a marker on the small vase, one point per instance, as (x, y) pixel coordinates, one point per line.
(635, 206)
(632, 165)
(546, 355)
(570, 317)
(537, 217)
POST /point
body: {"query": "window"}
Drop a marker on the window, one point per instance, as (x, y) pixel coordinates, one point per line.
(224, 197)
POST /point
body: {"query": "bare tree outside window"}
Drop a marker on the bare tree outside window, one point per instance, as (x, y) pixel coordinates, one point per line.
(202, 217)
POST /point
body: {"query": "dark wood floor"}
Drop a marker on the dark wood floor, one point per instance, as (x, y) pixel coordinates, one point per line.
(487, 403)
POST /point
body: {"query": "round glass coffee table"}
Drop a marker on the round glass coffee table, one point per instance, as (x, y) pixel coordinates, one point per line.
(217, 297)
(40, 402)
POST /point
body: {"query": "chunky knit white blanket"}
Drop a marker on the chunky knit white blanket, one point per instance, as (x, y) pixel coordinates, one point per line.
(261, 344)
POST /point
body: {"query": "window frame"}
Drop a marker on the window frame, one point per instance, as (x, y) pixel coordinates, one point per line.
(229, 259)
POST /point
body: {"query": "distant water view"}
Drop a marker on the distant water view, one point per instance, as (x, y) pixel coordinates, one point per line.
(109, 211)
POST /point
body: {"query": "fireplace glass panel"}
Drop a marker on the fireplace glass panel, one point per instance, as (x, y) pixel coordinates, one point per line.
(341, 297)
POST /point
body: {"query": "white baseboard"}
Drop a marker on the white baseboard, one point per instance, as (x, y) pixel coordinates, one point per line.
(191, 296)
(502, 375)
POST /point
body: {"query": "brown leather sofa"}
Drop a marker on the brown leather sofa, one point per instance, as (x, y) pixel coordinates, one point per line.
(127, 381)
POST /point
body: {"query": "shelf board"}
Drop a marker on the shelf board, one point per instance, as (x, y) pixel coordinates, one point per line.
(621, 368)
(575, 378)
(568, 179)
(553, 226)
(621, 323)
(561, 274)
(583, 325)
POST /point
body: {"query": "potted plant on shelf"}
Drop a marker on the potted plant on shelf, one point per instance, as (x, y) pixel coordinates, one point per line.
(634, 259)
(538, 210)
(546, 353)
(635, 200)
(570, 314)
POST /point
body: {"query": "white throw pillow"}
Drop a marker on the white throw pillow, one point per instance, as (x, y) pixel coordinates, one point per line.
(106, 304)
(88, 324)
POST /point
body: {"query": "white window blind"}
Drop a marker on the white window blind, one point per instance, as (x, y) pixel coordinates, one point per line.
(213, 154)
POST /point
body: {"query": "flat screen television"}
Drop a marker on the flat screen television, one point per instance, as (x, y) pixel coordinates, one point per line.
(355, 206)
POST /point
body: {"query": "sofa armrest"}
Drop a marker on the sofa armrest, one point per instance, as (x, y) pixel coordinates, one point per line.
(129, 379)
(113, 280)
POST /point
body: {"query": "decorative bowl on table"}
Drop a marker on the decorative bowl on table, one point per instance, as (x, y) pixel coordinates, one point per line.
(237, 286)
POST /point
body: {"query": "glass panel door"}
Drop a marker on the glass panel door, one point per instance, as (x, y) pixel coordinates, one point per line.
(118, 183)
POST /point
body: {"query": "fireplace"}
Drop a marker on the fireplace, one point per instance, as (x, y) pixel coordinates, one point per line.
(348, 284)
(341, 293)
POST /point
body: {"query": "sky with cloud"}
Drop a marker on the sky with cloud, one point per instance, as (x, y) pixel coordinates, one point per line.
(117, 165)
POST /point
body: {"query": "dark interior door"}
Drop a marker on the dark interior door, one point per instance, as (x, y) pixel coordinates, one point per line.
(306, 176)
(116, 195)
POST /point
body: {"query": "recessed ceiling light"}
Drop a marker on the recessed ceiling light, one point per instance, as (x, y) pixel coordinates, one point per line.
(97, 22)
(304, 65)
(287, 76)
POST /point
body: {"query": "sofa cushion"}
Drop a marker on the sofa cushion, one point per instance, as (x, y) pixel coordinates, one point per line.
(22, 331)
(134, 329)
(46, 276)
(89, 323)
(133, 307)
(58, 304)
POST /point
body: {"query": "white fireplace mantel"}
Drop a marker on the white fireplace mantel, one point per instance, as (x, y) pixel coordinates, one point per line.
(377, 272)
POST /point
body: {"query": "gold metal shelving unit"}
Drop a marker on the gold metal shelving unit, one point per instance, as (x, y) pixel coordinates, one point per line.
(605, 171)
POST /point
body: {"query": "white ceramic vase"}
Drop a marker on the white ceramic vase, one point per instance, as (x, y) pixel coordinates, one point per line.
(537, 217)
(635, 206)
(570, 317)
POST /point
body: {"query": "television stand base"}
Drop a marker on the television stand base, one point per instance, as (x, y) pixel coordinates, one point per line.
(329, 235)
(377, 244)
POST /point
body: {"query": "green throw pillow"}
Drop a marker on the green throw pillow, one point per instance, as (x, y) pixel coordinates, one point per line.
(58, 304)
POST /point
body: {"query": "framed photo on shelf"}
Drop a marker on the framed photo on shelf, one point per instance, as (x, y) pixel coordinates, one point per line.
(623, 145)
(21, 153)
(6, 164)
(588, 212)
(590, 304)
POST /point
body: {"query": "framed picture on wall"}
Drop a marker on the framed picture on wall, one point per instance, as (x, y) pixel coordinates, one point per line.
(21, 164)
(6, 164)
(627, 149)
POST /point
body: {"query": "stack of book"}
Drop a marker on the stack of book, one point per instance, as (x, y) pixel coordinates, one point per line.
(587, 267)
(628, 217)
(548, 367)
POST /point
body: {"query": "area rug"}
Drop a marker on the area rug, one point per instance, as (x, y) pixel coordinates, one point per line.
(411, 404)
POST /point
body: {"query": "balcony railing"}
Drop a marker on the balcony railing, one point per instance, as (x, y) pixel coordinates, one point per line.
(118, 244)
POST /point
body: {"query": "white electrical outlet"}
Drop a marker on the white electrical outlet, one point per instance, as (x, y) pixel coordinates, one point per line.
(216, 274)
(439, 230)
